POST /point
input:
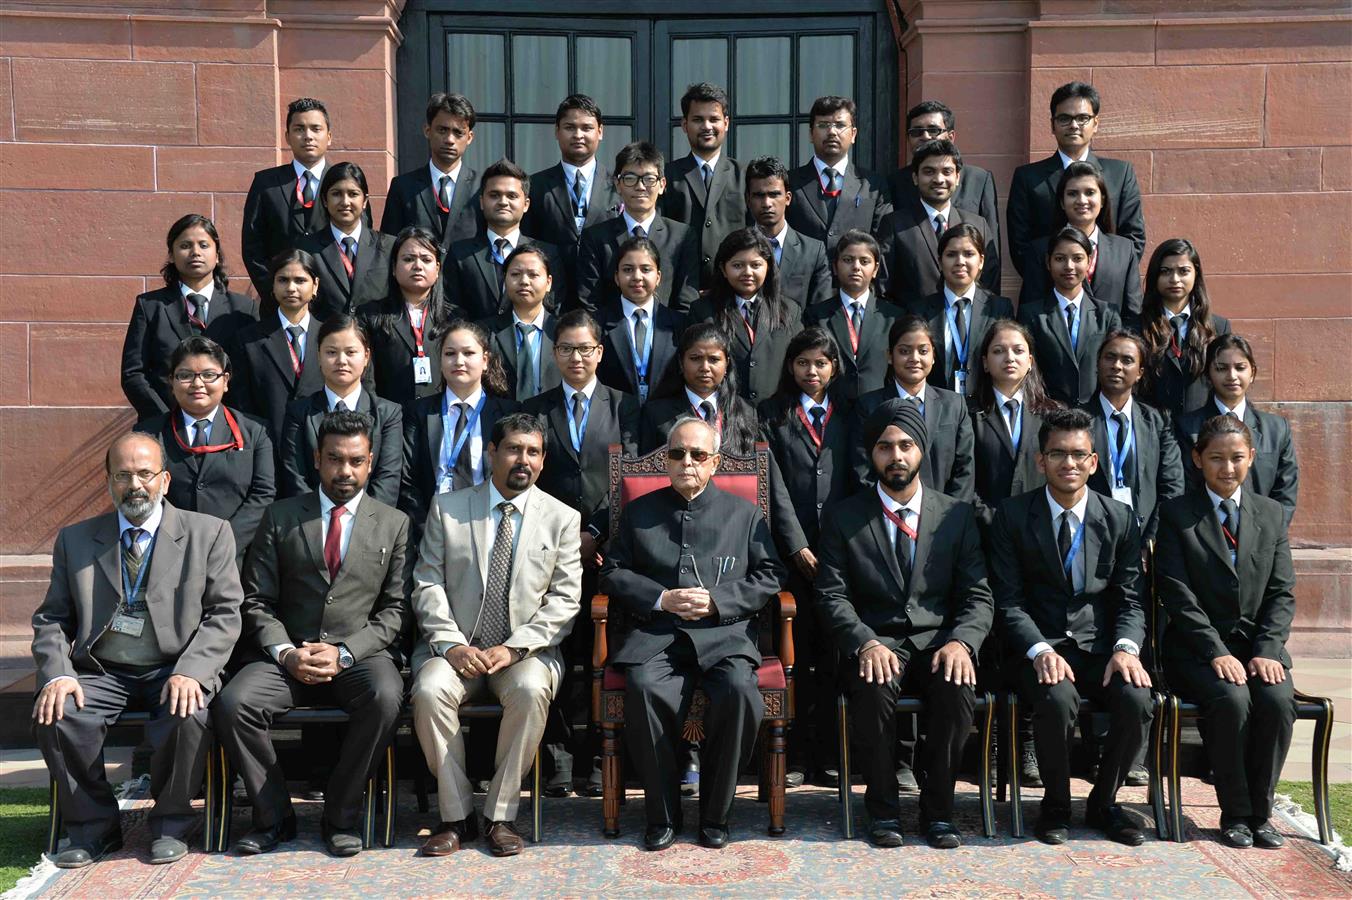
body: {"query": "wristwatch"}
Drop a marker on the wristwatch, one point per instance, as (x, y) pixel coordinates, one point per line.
(1126, 647)
(345, 657)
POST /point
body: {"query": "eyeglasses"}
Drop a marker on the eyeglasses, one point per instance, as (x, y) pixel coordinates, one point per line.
(586, 351)
(1065, 119)
(832, 126)
(629, 179)
(145, 476)
(186, 377)
(678, 454)
(1059, 456)
(929, 131)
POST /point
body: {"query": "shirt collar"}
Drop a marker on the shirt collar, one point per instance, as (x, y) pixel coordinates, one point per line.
(1185, 311)
(208, 291)
(437, 173)
(902, 393)
(1109, 409)
(913, 504)
(588, 169)
(538, 321)
(1078, 509)
(1239, 409)
(350, 400)
(189, 421)
(846, 301)
(588, 390)
(338, 235)
(629, 307)
(782, 235)
(743, 301)
(519, 501)
(513, 238)
(931, 212)
(1066, 160)
(1001, 399)
(711, 163)
(696, 399)
(326, 505)
(149, 526)
(630, 222)
(950, 298)
(317, 170)
(842, 167)
(807, 403)
(1062, 301)
(1216, 499)
(473, 399)
(304, 323)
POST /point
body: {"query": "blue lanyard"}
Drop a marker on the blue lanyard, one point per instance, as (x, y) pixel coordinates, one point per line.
(448, 463)
(959, 344)
(131, 591)
(641, 365)
(574, 431)
(1118, 459)
(1074, 549)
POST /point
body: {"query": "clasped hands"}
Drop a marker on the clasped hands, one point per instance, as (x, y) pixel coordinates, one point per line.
(311, 662)
(471, 662)
(691, 603)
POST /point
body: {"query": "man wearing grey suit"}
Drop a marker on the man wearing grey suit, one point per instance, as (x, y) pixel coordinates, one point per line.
(499, 583)
(325, 611)
(142, 610)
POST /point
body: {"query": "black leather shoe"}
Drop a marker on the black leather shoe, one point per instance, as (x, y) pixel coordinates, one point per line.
(1115, 824)
(794, 778)
(1137, 777)
(1265, 836)
(943, 836)
(827, 778)
(885, 833)
(166, 850)
(341, 841)
(659, 837)
(1237, 834)
(715, 837)
(906, 782)
(1029, 775)
(77, 857)
(1052, 831)
(559, 785)
(265, 840)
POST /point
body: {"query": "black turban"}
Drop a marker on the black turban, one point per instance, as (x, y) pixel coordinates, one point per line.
(905, 414)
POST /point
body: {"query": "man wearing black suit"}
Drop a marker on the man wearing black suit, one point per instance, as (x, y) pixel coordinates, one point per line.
(833, 195)
(706, 190)
(912, 626)
(576, 192)
(931, 120)
(639, 182)
(440, 195)
(955, 361)
(690, 627)
(1032, 193)
(911, 241)
(326, 610)
(1065, 567)
(804, 276)
(283, 202)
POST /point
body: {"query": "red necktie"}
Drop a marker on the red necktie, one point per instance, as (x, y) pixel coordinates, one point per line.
(333, 542)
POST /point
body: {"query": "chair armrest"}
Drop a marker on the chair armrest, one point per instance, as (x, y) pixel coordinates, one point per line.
(600, 607)
(788, 609)
(788, 606)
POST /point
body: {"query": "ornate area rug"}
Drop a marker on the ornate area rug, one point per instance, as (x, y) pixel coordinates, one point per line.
(812, 860)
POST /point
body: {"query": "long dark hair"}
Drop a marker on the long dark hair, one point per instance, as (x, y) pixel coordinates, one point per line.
(494, 380)
(219, 279)
(438, 312)
(813, 337)
(343, 171)
(739, 419)
(1219, 345)
(773, 311)
(1034, 391)
(1083, 170)
(1155, 319)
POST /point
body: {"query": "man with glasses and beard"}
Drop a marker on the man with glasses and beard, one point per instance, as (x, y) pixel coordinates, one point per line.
(142, 612)
(499, 580)
(691, 565)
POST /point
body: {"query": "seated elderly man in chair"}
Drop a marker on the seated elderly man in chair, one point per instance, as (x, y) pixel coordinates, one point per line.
(691, 565)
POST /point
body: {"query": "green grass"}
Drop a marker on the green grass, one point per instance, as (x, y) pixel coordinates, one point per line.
(23, 812)
(1340, 803)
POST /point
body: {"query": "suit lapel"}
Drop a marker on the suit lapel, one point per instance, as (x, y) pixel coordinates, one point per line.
(851, 189)
(1146, 443)
(812, 193)
(886, 549)
(559, 191)
(404, 329)
(624, 350)
(434, 435)
(464, 186)
(927, 234)
(995, 421)
(165, 562)
(480, 527)
(1095, 534)
(332, 258)
(312, 529)
(929, 516)
(1040, 521)
(366, 255)
(1209, 528)
(359, 541)
(483, 260)
(316, 416)
(427, 196)
(108, 558)
(1056, 324)
(695, 180)
(278, 347)
(178, 313)
(560, 416)
(1250, 532)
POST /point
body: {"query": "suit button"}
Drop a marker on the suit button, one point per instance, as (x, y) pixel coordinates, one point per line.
(708, 223)
(708, 259)
(1069, 633)
(684, 570)
(324, 635)
(200, 487)
(328, 602)
(753, 364)
(820, 505)
(820, 472)
(686, 517)
(910, 607)
(685, 546)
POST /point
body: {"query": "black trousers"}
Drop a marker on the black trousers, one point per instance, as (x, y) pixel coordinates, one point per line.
(73, 749)
(1246, 729)
(812, 734)
(949, 710)
(1055, 708)
(371, 693)
(657, 698)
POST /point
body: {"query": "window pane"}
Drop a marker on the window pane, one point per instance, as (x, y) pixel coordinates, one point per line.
(704, 59)
(825, 66)
(540, 68)
(613, 141)
(534, 147)
(762, 140)
(605, 73)
(680, 145)
(490, 144)
(763, 77)
(476, 67)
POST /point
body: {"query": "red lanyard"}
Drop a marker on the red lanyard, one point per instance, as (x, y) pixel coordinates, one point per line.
(750, 332)
(854, 335)
(236, 439)
(1230, 538)
(347, 263)
(300, 193)
(193, 320)
(898, 521)
(295, 360)
(417, 330)
(1093, 262)
(812, 432)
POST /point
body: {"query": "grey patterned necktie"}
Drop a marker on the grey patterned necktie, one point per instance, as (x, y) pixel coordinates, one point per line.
(495, 622)
(132, 558)
(200, 432)
(199, 311)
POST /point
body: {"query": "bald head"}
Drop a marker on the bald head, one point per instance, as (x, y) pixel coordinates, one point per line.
(127, 444)
(136, 476)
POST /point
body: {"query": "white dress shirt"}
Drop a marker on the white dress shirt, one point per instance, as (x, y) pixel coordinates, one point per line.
(339, 234)
(931, 212)
(437, 176)
(696, 400)
(908, 511)
(345, 523)
(513, 238)
(779, 238)
(350, 401)
(630, 222)
(445, 467)
(1066, 160)
(841, 167)
(1239, 409)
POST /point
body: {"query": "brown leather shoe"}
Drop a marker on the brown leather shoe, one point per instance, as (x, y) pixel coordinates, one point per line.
(448, 836)
(503, 839)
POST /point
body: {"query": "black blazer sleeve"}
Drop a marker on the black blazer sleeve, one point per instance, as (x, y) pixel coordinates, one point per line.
(1287, 482)
(1168, 476)
(136, 375)
(262, 488)
(1019, 217)
(1130, 218)
(387, 470)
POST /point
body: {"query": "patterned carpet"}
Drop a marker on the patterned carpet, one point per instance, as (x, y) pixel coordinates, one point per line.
(813, 860)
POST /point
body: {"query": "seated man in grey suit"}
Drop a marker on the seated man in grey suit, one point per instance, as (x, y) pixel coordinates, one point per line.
(692, 565)
(142, 611)
(326, 588)
(499, 583)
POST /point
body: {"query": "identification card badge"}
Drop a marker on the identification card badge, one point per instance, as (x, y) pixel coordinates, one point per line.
(128, 625)
(1122, 495)
(643, 392)
(422, 370)
(960, 382)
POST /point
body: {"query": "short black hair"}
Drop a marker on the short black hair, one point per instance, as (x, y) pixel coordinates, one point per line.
(1073, 90)
(505, 168)
(1073, 419)
(197, 345)
(581, 103)
(345, 423)
(925, 107)
(830, 105)
(454, 105)
(343, 322)
(579, 318)
(304, 105)
(1072, 235)
(639, 153)
(764, 168)
(940, 147)
(641, 244)
(520, 423)
(704, 92)
(905, 325)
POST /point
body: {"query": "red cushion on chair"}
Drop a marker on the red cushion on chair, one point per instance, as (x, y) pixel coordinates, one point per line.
(742, 484)
(769, 676)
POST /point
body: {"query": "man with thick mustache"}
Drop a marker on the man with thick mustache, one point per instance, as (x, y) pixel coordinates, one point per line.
(499, 583)
(326, 587)
(142, 611)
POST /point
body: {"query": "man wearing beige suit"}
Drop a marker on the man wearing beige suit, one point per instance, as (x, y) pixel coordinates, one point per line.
(142, 611)
(498, 585)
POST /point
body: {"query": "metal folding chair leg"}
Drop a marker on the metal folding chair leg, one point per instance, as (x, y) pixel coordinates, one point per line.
(1319, 769)
(1155, 793)
(1174, 728)
(983, 769)
(54, 824)
(536, 801)
(1012, 765)
(845, 794)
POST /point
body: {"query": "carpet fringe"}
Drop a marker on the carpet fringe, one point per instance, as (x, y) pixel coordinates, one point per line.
(34, 883)
(1309, 826)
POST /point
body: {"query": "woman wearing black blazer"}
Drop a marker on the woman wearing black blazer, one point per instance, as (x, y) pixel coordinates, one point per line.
(1230, 369)
(626, 366)
(1115, 268)
(1177, 324)
(1225, 578)
(410, 318)
(194, 276)
(276, 358)
(354, 258)
(344, 356)
(700, 380)
(746, 303)
(219, 461)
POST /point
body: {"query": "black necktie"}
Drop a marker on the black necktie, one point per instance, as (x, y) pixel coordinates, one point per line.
(1064, 538)
(832, 192)
(857, 320)
(708, 174)
(200, 432)
(580, 195)
(349, 248)
(960, 320)
(525, 363)
(308, 192)
(500, 250)
(938, 224)
(1011, 421)
(444, 193)
(706, 410)
(297, 341)
(1128, 473)
(579, 414)
(641, 335)
(1230, 509)
(640, 231)
(199, 308)
(1070, 323)
(818, 414)
(463, 473)
(1178, 323)
(340, 406)
(905, 546)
